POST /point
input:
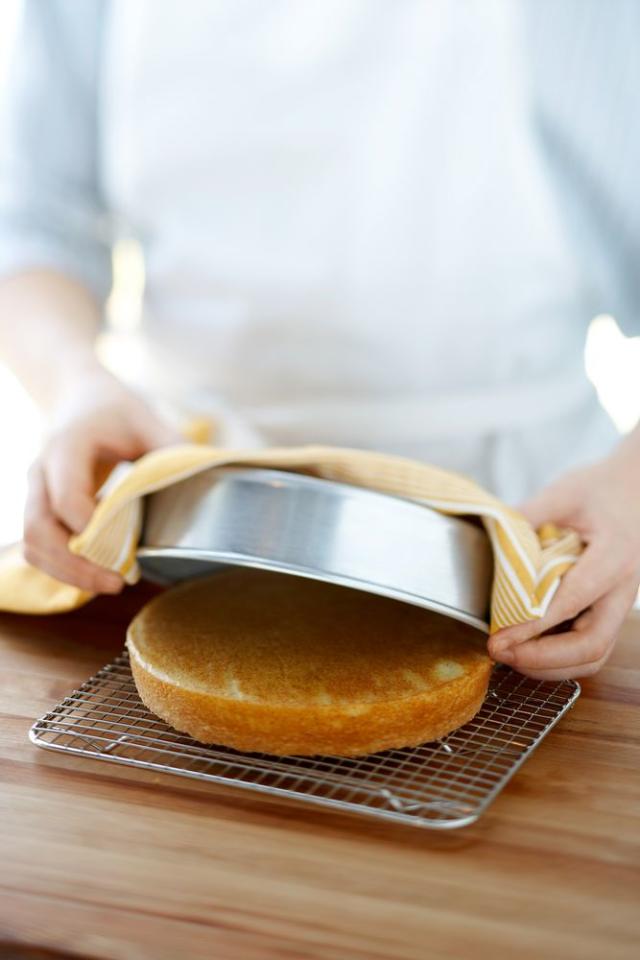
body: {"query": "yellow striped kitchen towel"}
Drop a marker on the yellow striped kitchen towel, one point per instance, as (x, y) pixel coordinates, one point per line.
(528, 565)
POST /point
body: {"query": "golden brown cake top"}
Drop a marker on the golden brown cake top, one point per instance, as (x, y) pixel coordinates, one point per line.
(267, 637)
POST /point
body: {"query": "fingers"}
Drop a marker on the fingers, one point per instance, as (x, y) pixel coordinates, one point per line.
(69, 464)
(593, 576)
(552, 505)
(45, 545)
(580, 651)
(68, 474)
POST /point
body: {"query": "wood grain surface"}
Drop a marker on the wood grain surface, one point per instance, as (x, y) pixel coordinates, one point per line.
(102, 861)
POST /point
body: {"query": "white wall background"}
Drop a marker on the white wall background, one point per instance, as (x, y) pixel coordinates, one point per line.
(613, 362)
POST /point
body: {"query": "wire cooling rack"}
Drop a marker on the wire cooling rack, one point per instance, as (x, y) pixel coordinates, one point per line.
(444, 784)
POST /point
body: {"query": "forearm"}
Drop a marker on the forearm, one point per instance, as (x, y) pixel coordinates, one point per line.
(48, 327)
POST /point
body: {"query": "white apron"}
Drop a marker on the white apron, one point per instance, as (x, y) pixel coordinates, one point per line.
(349, 236)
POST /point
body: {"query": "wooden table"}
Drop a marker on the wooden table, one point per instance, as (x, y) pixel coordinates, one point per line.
(103, 861)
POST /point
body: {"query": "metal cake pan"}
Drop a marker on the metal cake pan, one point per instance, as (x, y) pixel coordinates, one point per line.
(310, 527)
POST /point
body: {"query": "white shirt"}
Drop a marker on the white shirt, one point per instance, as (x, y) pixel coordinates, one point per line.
(355, 224)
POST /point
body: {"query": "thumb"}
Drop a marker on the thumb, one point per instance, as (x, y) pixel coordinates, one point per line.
(156, 432)
(554, 504)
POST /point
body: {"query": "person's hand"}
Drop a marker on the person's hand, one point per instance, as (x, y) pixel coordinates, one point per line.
(97, 423)
(574, 639)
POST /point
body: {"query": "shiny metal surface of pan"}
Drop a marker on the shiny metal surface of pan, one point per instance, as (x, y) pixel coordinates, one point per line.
(310, 527)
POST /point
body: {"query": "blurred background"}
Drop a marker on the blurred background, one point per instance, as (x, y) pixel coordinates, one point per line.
(612, 360)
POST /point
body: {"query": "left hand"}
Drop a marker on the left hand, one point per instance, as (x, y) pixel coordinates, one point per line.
(602, 503)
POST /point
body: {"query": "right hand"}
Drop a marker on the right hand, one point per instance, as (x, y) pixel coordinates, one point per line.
(95, 424)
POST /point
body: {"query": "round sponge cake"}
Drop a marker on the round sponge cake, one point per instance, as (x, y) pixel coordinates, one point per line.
(278, 664)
